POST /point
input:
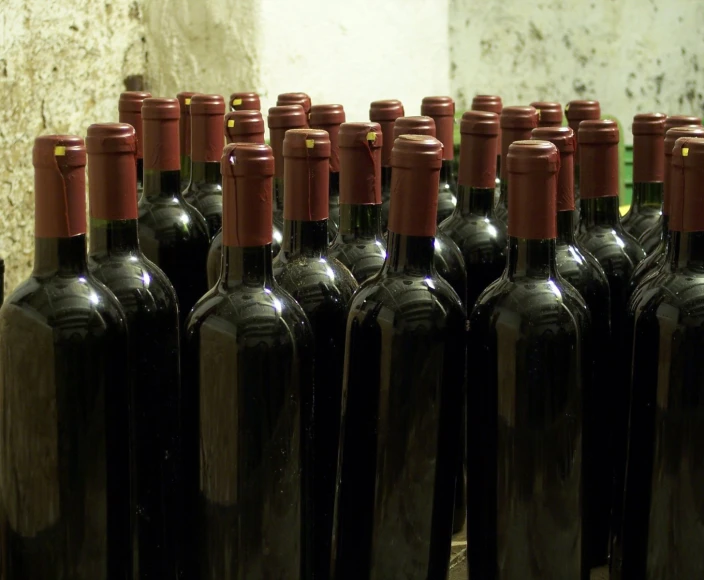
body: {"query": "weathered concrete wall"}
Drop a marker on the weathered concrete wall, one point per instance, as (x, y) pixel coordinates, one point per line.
(632, 55)
(61, 67)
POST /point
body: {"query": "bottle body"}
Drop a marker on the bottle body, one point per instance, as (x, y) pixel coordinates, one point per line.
(402, 409)
(323, 287)
(65, 492)
(661, 532)
(525, 422)
(151, 310)
(174, 236)
(249, 393)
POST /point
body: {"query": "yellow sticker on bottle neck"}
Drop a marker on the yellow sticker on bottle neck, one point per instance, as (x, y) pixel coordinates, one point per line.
(188, 100)
(230, 122)
(236, 102)
(538, 114)
(371, 136)
(59, 151)
(685, 151)
(310, 143)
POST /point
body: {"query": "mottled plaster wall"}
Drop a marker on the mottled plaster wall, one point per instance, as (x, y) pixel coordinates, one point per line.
(61, 66)
(632, 55)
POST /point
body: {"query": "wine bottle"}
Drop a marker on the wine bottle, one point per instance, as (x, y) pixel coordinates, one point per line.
(656, 258)
(151, 309)
(64, 486)
(448, 259)
(295, 99)
(492, 104)
(601, 233)
(648, 173)
(130, 112)
(323, 287)
(204, 191)
(280, 119)
(385, 113)
(329, 118)
(172, 233)
(442, 111)
(359, 244)
(662, 534)
(582, 270)
(2, 281)
(243, 126)
(525, 410)
(246, 101)
(184, 133)
(516, 125)
(549, 113)
(402, 394)
(249, 393)
(576, 112)
(653, 237)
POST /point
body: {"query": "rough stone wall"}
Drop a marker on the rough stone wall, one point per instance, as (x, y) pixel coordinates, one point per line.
(61, 67)
(632, 55)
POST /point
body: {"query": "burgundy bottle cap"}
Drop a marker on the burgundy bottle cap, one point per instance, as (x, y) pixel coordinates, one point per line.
(533, 167)
(385, 113)
(160, 119)
(549, 113)
(360, 163)
(442, 110)
(329, 118)
(207, 138)
(578, 111)
(598, 154)
(306, 174)
(59, 186)
(688, 176)
(488, 103)
(282, 118)
(245, 102)
(414, 126)
(245, 126)
(516, 125)
(649, 148)
(130, 112)
(671, 138)
(415, 179)
(184, 127)
(564, 139)
(112, 171)
(294, 99)
(480, 135)
(247, 169)
(673, 121)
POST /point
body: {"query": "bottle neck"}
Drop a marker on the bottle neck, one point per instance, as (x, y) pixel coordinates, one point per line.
(531, 259)
(249, 266)
(205, 172)
(446, 173)
(140, 174)
(690, 251)
(503, 194)
(360, 221)
(162, 183)
(308, 239)
(646, 195)
(565, 227)
(334, 187)
(498, 165)
(386, 182)
(278, 198)
(62, 256)
(410, 255)
(109, 237)
(599, 211)
(475, 201)
(186, 168)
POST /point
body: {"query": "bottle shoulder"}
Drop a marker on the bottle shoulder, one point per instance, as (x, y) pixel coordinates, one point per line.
(672, 299)
(611, 246)
(475, 231)
(137, 283)
(251, 313)
(71, 304)
(166, 214)
(361, 256)
(580, 268)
